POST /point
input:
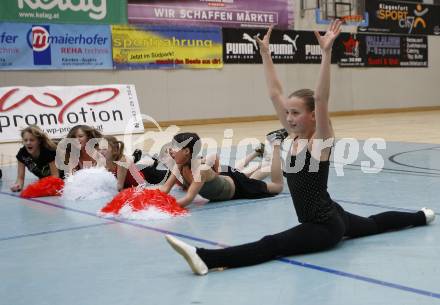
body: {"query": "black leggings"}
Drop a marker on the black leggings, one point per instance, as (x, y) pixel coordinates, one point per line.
(309, 237)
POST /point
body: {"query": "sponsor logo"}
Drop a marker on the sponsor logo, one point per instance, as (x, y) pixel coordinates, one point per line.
(291, 41)
(97, 8)
(401, 15)
(313, 50)
(68, 39)
(38, 41)
(251, 40)
(243, 48)
(351, 47)
(419, 12)
(288, 49)
(383, 45)
(40, 38)
(249, 48)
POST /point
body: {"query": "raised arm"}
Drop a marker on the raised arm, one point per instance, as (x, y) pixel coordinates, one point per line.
(322, 91)
(274, 86)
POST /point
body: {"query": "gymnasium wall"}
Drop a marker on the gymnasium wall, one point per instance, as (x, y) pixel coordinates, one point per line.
(239, 90)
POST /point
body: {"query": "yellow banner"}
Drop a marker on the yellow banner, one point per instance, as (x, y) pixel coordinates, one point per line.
(160, 47)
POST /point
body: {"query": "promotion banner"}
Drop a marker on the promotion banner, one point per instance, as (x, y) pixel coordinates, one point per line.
(287, 47)
(112, 109)
(54, 47)
(70, 11)
(160, 47)
(225, 13)
(370, 50)
(402, 18)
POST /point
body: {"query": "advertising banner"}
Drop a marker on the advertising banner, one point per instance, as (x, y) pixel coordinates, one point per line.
(372, 50)
(60, 11)
(54, 47)
(350, 50)
(295, 47)
(225, 13)
(162, 47)
(112, 109)
(402, 18)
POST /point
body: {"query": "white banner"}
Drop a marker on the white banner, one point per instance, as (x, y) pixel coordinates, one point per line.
(112, 109)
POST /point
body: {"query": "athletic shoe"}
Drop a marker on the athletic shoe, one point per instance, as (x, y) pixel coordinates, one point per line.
(429, 214)
(189, 253)
(137, 155)
(279, 135)
(260, 150)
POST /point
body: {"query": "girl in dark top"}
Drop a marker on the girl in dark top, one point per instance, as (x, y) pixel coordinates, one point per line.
(200, 176)
(37, 155)
(323, 223)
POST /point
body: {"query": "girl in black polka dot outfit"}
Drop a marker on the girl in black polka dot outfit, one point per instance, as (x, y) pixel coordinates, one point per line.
(323, 222)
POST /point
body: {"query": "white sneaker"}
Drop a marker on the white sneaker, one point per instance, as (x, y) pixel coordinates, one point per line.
(429, 214)
(189, 253)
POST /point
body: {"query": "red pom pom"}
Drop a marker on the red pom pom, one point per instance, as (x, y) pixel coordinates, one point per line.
(48, 186)
(142, 199)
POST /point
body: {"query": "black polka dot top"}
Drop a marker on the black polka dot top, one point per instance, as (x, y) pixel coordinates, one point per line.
(307, 181)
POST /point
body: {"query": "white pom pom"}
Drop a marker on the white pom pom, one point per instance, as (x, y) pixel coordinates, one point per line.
(90, 184)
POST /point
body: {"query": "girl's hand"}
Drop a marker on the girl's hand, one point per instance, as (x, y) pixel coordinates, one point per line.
(17, 187)
(264, 44)
(326, 41)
